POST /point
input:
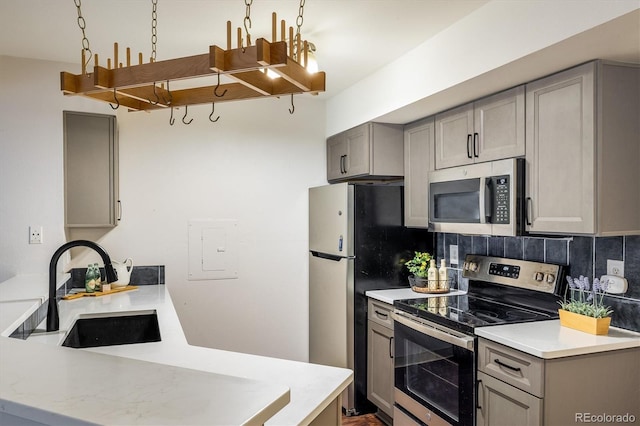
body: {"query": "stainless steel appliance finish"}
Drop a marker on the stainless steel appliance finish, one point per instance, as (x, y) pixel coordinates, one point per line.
(435, 358)
(484, 198)
(356, 237)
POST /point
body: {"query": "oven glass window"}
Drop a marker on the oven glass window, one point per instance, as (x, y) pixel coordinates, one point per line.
(456, 201)
(437, 374)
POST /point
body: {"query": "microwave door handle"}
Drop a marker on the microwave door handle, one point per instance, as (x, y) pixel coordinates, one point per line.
(485, 197)
(488, 200)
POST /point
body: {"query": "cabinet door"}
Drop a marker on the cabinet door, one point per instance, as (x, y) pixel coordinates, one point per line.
(358, 145)
(454, 144)
(91, 170)
(418, 162)
(336, 156)
(380, 367)
(500, 404)
(560, 133)
(499, 126)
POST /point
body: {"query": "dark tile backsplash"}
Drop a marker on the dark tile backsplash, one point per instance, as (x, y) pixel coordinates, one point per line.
(582, 255)
(140, 275)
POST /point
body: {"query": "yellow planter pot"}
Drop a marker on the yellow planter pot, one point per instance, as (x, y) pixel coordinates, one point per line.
(599, 326)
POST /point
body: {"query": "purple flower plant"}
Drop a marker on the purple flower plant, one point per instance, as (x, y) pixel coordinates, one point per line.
(591, 305)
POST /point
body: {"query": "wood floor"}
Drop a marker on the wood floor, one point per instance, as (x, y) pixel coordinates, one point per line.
(363, 420)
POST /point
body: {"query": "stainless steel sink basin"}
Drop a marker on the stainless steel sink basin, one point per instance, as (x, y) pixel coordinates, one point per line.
(111, 329)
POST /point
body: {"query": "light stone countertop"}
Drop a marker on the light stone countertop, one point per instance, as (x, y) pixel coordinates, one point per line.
(543, 339)
(548, 339)
(237, 388)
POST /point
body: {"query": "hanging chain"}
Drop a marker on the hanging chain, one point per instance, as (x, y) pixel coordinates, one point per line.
(154, 29)
(300, 19)
(85, 41)
(247, 21)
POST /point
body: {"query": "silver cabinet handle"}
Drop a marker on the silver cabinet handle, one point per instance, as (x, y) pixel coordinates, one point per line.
(119, 210)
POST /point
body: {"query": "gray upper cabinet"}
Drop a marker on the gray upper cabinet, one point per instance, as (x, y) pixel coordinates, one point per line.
(368, 151)
(488, 129)
(583, 151)
(418, 162)
(90, 170)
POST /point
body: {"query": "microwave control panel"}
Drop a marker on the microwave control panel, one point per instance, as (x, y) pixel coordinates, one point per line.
(501, 199)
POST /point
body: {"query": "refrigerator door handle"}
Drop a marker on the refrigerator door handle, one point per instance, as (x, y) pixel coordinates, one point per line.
(327, 256)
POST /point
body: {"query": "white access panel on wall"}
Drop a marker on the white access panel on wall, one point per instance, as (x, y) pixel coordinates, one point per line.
(213, 249)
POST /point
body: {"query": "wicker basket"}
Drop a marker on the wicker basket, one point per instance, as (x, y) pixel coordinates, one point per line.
(421, 285)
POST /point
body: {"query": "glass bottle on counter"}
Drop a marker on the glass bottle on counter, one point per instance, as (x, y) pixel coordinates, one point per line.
(90, 279)
(98, 277)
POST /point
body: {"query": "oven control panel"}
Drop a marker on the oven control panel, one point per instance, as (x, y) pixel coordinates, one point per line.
(503, 270)
(501, 200)
(537, 276)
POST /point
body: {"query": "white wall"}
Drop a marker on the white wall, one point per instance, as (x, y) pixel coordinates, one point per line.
(31, 161)
(254, 165)
(496, 34)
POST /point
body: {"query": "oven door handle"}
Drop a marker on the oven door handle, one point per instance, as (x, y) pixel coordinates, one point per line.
(466, 342)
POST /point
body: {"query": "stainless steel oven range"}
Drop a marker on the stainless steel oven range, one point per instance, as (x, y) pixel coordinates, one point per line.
(434, 342)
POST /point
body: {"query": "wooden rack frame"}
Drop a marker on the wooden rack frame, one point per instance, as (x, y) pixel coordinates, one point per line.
(136, 86)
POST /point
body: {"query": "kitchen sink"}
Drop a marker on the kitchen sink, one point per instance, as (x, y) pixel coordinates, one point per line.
(122, 328)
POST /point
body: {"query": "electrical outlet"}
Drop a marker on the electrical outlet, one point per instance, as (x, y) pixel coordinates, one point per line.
(453, 254)
(35, 235)
(615, 267)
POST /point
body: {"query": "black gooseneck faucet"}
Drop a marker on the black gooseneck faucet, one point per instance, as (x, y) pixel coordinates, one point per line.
(53, 320)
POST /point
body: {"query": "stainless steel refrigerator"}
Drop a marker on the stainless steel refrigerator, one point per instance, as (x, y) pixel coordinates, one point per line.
(357, 242)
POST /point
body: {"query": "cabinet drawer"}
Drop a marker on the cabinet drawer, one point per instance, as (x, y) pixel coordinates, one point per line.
(380, 312)
(516, 368)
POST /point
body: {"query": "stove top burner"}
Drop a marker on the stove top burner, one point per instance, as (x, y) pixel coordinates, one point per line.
(500, 291)
(465, 312)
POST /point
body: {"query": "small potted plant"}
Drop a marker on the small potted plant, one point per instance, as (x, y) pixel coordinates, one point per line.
(584, 310)
(419, 266)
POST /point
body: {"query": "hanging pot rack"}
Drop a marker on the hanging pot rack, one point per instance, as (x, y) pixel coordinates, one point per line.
(141, 87)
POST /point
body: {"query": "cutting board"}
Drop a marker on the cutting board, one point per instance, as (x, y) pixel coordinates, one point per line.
(98, 293)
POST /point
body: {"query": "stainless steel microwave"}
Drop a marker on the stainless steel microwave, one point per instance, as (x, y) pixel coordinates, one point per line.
(481, 199)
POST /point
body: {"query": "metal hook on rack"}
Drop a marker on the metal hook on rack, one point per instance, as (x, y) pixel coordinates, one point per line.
(213, 110)
(171, 119)
(117, 101)
(293, 107)
(157, 101)
(185, 115)
(215, 91)
(168, 101)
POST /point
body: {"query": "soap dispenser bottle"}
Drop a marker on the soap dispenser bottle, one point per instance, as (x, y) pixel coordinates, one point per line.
(432, 275)
(443, 276)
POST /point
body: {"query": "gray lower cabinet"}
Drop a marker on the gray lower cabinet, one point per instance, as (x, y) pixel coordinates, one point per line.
(368, 151)
(380, 356)
(418, 162)
(90, 170)
(583, 149)
(502, 404)
(518, 389)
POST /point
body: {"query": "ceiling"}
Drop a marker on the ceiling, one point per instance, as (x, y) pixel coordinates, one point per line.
(354, 38)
